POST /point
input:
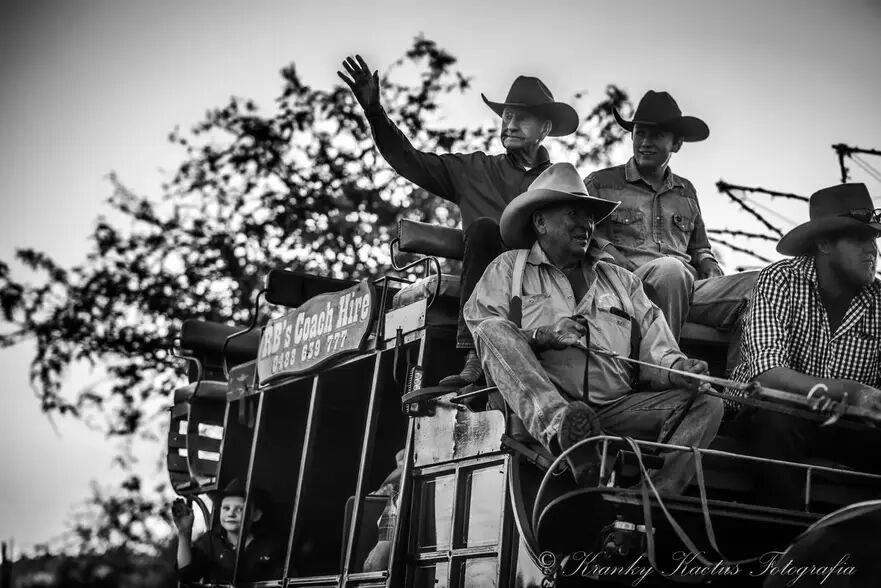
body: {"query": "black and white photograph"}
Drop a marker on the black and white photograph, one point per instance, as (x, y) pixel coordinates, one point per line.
(440, 294)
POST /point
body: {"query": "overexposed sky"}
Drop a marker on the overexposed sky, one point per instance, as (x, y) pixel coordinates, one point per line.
(91, 87)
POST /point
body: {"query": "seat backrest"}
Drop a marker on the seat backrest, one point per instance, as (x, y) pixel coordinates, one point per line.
(374, 506)
(427, 239)
(291, 289)
(204, 341)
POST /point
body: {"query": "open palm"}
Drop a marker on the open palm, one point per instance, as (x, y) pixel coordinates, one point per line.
(364, 85)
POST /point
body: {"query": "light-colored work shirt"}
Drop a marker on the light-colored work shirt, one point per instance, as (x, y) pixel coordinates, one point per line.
(547, 296)
(650, 224)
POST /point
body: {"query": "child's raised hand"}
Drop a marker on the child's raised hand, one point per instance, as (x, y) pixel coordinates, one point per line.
(182, 515)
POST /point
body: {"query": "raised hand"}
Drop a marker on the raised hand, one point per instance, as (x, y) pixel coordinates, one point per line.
(364, 85)
(183, 517)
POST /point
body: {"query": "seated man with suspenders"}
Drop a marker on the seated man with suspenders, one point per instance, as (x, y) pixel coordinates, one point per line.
(530, 314)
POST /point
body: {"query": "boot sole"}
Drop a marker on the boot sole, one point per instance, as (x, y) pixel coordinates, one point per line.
(580, 423)
(577, 425)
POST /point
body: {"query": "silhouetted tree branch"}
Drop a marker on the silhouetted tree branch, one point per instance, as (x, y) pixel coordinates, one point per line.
(299, 186)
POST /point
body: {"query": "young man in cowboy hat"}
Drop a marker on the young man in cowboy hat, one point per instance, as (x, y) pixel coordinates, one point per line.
(658, 231)
(480, 184)
(816, 319)
(212, 557)
(534, 303)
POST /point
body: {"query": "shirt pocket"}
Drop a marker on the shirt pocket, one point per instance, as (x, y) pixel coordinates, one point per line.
(859, 354)
(683, 222)
(627, 227)
(612, 332)
(681, 228)
(537, 310)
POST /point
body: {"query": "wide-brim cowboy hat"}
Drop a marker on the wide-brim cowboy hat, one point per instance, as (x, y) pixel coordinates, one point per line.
(659, 109)
(838, 209)
(557, 184)
(531, 94)
(236, 487)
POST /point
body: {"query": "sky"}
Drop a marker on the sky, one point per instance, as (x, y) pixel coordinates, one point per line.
(94, 87)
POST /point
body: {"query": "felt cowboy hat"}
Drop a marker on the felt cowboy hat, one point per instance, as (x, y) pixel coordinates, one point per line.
(659, 109)
(845, 207)
(257, 497)
(531, 94)
(559, 183)
(235, 488)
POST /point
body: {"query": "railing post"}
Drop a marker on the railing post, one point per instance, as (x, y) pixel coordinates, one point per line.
(5, 566)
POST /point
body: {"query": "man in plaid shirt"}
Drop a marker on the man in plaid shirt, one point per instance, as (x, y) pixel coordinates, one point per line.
(816, 319)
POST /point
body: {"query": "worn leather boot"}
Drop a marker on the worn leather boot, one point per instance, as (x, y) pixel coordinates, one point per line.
(580, 422)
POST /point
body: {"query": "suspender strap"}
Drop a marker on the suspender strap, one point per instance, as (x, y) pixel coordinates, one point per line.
(515, 308)
(627, 302)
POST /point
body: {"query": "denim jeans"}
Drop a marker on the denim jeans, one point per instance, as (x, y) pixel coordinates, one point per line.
(721, 303)
(649, 416)
(668, 283)
(714, 302)
(483, 243)
(509, 360)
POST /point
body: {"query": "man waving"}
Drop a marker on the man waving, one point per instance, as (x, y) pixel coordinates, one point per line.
(480, 184)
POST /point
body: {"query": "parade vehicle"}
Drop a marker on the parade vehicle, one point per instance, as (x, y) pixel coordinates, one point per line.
(316, 408)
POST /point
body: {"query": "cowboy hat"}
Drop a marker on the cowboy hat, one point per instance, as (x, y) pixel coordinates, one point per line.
(559, 183)
(531, 94)
(235, 488)
(845, 207)
(659, 109)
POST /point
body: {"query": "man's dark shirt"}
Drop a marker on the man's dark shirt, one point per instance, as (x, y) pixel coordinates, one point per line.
(482, 185)
(214, 559)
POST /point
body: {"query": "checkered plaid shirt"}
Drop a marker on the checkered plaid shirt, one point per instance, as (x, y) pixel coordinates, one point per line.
(786, 325)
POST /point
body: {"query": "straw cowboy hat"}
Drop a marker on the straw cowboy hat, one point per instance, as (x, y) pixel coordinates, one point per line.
(531, 94)
(659, 109)
(559, 183)
(839, 208)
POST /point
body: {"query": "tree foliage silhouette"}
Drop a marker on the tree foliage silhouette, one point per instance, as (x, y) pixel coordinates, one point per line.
(300, 186)
(118, 538)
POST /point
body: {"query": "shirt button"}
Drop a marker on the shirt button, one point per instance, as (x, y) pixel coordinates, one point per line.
(570, 297)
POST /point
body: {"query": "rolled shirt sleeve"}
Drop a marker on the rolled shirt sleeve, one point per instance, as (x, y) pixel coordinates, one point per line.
(657, 343)
(765, 337)
(491, 295)
(699, 244)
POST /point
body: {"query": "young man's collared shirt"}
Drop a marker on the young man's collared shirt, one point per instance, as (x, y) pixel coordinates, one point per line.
(547, 296)
(482, 185)
(649, 224)
(787, 326)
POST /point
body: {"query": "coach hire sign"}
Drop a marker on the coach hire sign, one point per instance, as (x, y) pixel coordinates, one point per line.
(322, 329)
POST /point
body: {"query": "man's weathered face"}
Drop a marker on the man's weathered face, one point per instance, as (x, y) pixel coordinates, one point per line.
(652, 147)
(522, 129)
(854, 256)
(565, 227)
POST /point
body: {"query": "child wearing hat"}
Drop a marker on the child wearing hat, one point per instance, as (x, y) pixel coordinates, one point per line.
(212, 557)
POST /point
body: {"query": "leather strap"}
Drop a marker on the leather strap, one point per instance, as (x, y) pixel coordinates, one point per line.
(627, 303)
(515, 307)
